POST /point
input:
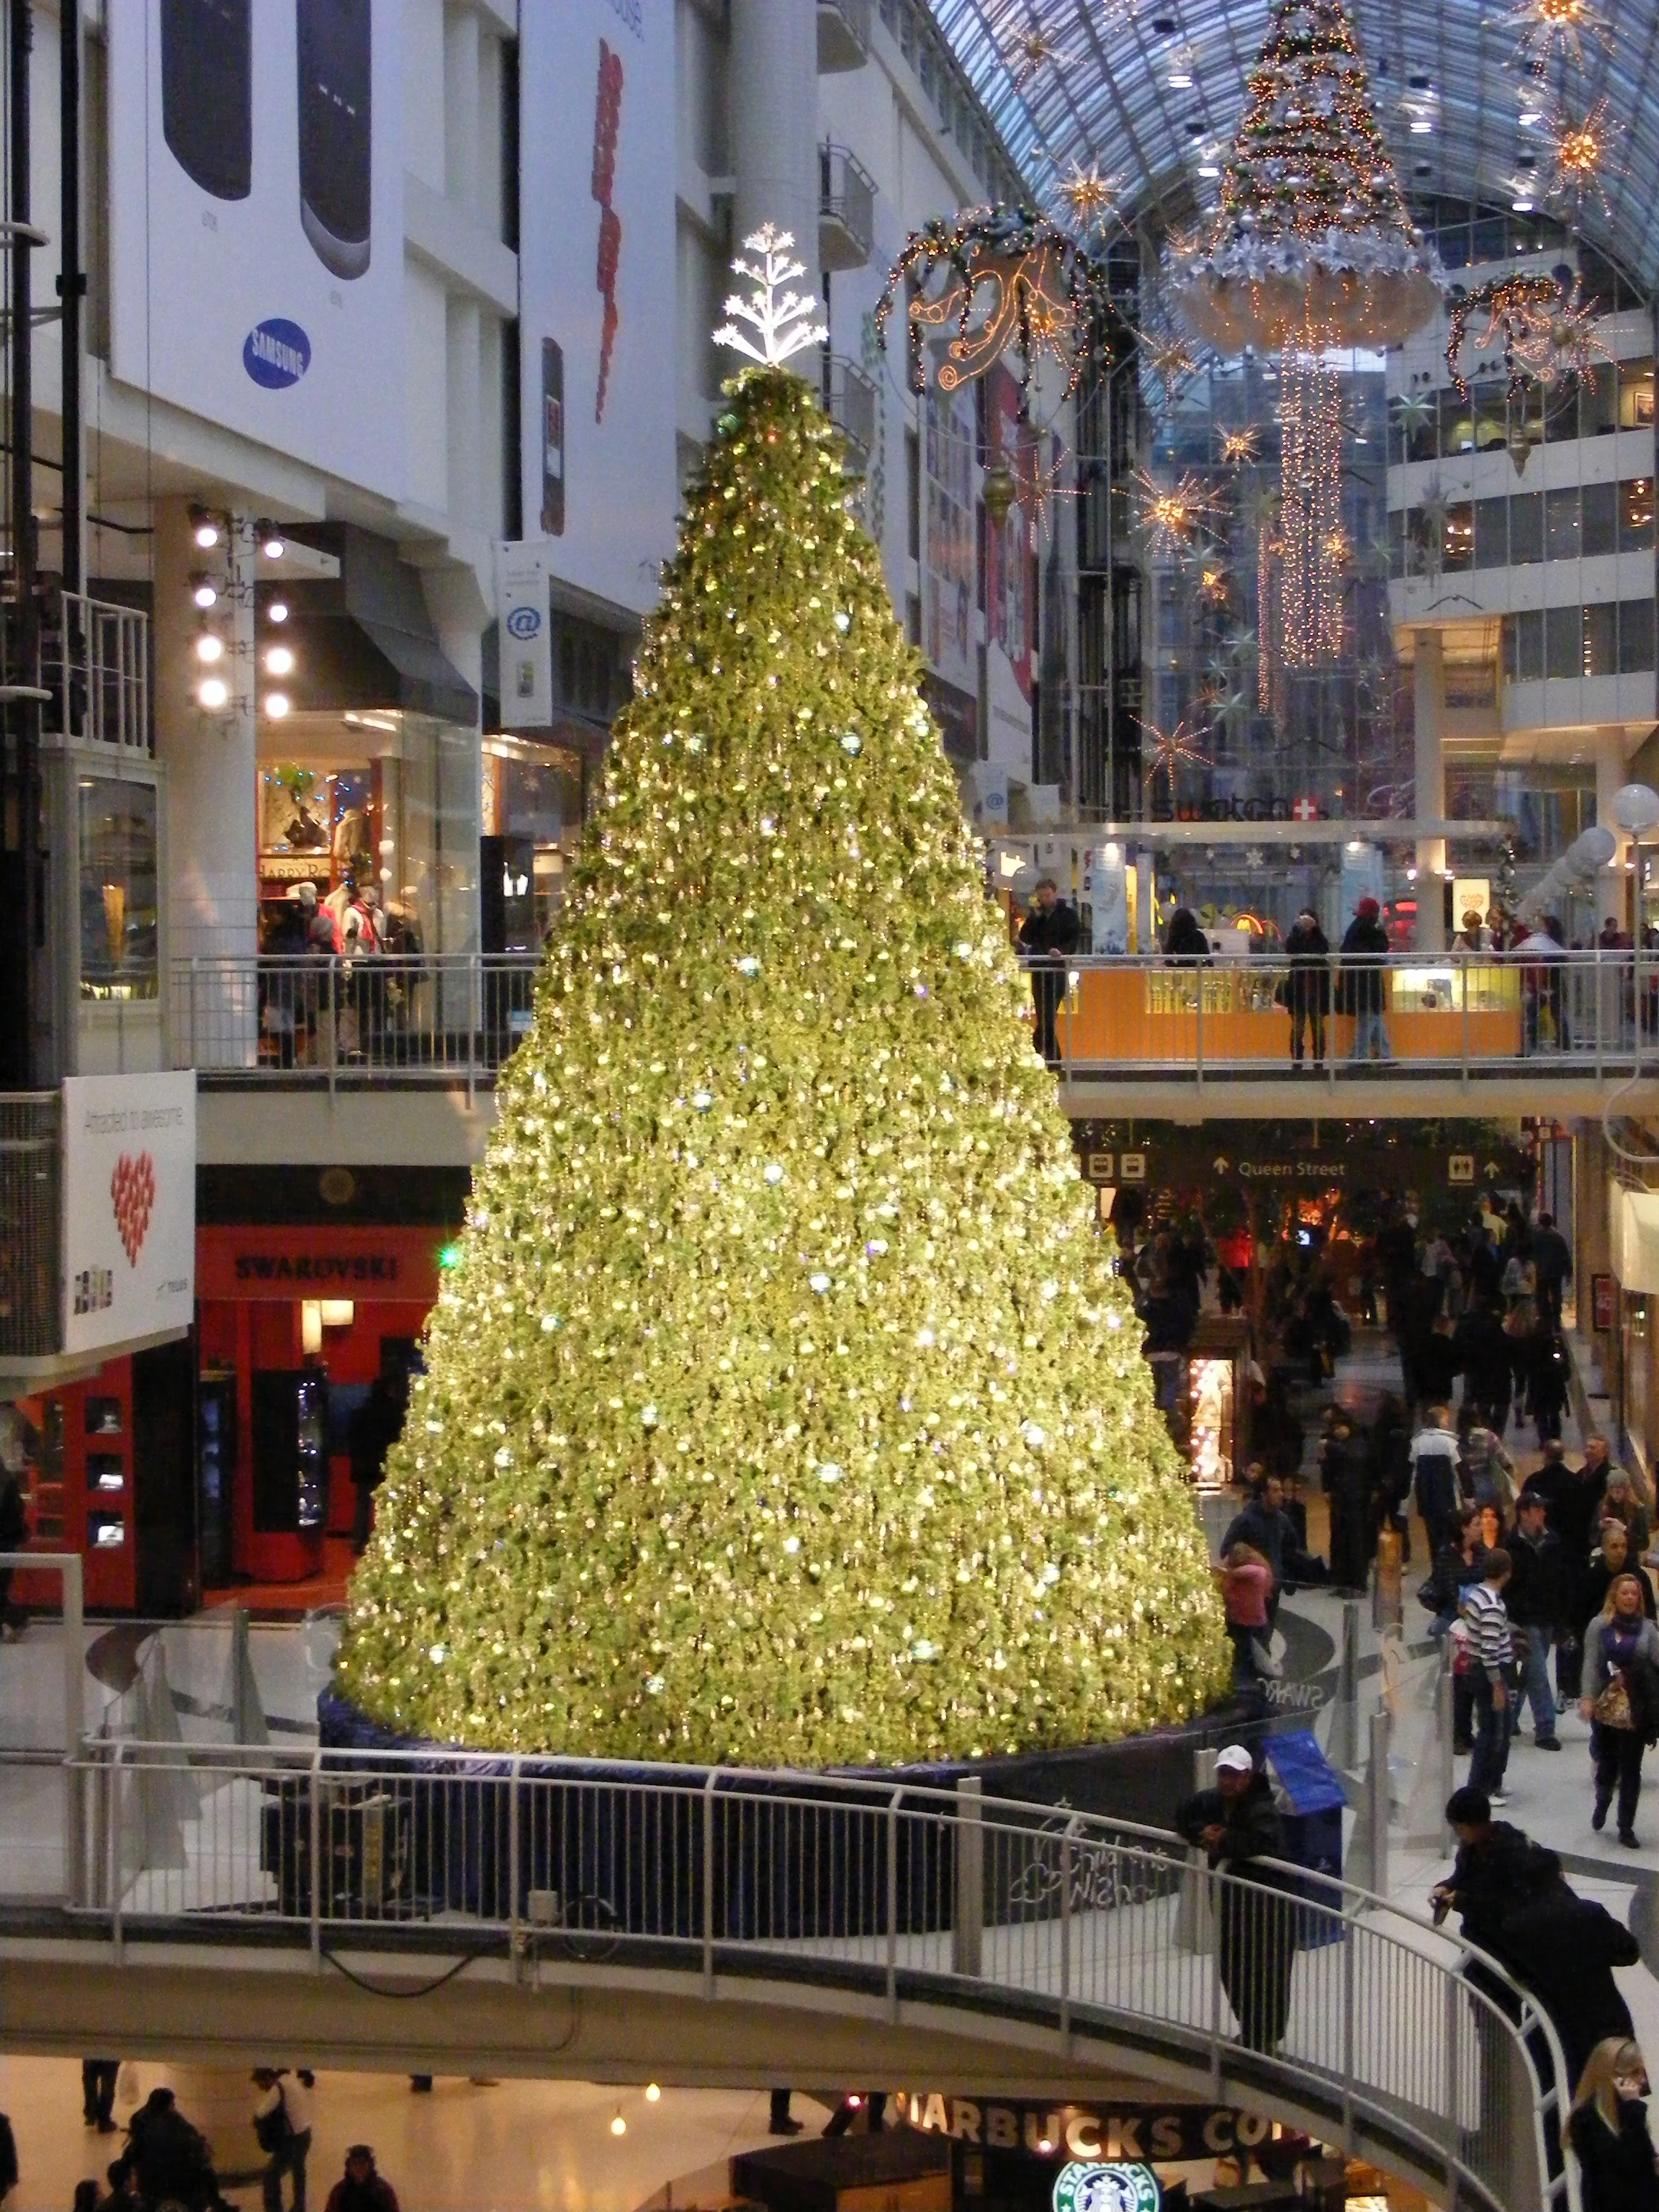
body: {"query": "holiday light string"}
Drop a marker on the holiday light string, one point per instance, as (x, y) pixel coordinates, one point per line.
(1547, 331)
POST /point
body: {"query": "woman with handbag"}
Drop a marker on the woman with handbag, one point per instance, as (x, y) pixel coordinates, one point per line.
(1621, 1697)
(1247, 1583)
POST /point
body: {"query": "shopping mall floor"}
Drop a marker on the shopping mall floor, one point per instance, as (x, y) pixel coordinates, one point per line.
(467, 2146)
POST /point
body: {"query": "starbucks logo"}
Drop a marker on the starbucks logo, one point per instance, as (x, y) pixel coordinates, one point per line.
(1107, 2189)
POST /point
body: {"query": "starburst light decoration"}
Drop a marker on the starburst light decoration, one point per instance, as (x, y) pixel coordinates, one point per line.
(1545, 28)
(1088, 196)
(1027, 46)
(1165, 753)
(1239, 448)
(1580, 147)
(1172, 514)
(782, 1405)
(781, 318)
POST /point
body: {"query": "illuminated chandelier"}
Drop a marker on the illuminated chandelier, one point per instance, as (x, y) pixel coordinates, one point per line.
(1312, 249)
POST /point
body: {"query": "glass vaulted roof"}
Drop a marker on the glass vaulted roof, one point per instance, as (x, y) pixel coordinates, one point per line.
(1448, 75)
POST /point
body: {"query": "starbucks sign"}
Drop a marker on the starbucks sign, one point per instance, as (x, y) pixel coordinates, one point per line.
(1083, 2188)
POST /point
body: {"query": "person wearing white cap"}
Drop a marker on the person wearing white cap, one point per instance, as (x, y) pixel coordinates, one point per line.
(1236, 1825)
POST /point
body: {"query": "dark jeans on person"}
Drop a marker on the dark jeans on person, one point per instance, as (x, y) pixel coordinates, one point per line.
(1619, 1765)
(1047, 990)
(1255, 1956)
(98, 2090)
(1308, 1018)
(1535, 1683)
(286, 2158)
(1492, 1735)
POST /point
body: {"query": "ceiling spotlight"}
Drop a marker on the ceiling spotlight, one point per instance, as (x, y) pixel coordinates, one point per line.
(204, 528)
(214, 692)
(276, 705)
(1523, 206)
(619, 2126)
(652, 2093)
(203, 591)
(277, 610)
(209, 647)
(271, 542)
(280, 660)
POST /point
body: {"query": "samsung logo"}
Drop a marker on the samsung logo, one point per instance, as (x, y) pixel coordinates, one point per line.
(276, 354)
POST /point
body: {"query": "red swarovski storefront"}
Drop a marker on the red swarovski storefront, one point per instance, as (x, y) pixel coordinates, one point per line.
(291, 1324)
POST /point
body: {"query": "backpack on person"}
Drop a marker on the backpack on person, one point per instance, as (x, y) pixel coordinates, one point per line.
(274, 2130)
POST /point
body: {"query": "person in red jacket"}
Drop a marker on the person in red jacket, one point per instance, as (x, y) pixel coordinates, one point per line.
(362, 2188)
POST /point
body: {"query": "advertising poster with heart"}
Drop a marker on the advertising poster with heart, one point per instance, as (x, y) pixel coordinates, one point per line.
(129, 1208)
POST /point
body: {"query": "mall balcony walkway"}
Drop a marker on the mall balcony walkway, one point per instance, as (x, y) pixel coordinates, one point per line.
(1168, 1040)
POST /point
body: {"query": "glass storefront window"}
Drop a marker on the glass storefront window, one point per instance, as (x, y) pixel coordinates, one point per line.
(1460, 535)
(1561, 538)
(1526, 529)
(1457, 425)
(1491, 537)
(1563, 637)
(1635, 637)
(1598, 400)
(1523, 647)
(1601, 518)
(532, 801)
(1636, 395)
(376, 797)
(1635, 515)
(1492, 420)
(1602, 640)
(120, 922)
(1561, 413)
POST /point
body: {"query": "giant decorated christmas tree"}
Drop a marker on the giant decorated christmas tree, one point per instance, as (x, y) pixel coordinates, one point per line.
(782, 1406)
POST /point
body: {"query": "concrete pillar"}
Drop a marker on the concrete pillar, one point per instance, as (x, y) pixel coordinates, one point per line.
(1430, 728)
(1612, 774)
(774, 107)
(212, 787)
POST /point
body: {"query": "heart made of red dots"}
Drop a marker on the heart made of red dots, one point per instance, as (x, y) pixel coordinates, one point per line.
(133, 1194)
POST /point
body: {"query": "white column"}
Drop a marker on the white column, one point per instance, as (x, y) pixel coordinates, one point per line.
(212, 786)
(774, 107)
(1429, 730)
(1612, 774)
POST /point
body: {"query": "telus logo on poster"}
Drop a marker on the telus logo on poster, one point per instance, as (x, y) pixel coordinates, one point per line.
(277, 353)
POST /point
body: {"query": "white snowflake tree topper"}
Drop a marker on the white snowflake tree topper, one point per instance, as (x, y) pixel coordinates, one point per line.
(781, 318)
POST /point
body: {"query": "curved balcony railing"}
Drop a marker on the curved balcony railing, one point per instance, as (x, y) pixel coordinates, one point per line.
(1363, 2019)
(1468, 1015)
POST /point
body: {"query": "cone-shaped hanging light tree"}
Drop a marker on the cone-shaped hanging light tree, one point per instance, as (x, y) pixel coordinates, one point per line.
(782, 1405)
(1313, 248)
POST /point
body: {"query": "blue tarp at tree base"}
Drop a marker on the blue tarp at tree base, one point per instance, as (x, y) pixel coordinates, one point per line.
(1311, 1799)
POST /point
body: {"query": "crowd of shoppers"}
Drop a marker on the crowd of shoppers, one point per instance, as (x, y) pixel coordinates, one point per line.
(167, 2162)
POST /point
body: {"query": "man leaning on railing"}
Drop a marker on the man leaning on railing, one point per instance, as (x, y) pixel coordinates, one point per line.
(1238, 1825)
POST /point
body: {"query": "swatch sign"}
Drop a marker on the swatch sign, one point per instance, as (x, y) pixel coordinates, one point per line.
(276, 354)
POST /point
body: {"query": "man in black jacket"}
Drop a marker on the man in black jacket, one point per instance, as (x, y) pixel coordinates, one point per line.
(1564, 1948)
(1497, 1870)
(1236, 1825)
(1551, 1260)
(1537, 1599)
(1268, 1529)
(1047, 934)
(1362, 988)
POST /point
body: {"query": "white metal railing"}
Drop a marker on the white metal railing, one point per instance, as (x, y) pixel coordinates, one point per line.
(1461, 1015)
(94, 663)
(67, 1566)
(453, 1017)
(1354, 2009)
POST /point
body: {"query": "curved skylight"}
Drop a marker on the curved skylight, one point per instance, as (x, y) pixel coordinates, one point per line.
(1153, 91)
